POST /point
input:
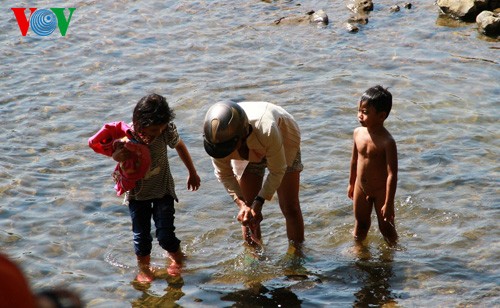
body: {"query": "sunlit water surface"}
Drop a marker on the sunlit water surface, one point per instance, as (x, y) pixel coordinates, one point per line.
(60, 218)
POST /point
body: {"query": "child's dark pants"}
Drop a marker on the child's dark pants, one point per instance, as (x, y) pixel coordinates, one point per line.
(162, 210)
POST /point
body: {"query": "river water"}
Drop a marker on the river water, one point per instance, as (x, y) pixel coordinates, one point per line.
(62, 222)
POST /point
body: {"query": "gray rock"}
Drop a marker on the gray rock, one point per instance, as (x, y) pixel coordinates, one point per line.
(351, 28)
(463, 9)
(394, 8)
(358, 6)
(488, 23)
(319, 18)
(361, 19)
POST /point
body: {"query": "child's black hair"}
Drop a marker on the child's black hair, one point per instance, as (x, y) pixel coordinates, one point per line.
(152, 109)
(379, 98)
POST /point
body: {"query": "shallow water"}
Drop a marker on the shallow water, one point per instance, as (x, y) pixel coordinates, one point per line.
(60, 218)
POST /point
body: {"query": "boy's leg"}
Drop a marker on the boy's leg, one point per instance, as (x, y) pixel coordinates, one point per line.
(288, 197)
(362, 207)
(251, 183)
(387, 228)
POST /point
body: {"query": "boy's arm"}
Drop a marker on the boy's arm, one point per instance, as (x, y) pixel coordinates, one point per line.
(353, 170)
(193, 182)
(391, 154)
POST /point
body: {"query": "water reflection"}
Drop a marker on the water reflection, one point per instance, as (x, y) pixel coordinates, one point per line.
(273, 289)
(258, 295)
(376, 288)
(450, 22)
(173, 292)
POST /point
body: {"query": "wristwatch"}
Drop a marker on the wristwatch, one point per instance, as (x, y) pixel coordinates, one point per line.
(260, 199)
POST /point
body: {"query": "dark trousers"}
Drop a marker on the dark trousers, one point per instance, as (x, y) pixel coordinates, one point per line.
(162, 210)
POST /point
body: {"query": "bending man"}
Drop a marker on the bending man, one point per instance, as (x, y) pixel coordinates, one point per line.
(243, 140)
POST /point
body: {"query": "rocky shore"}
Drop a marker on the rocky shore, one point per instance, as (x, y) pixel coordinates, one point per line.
(485, 13)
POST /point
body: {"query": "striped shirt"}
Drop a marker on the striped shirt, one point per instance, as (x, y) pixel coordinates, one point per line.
(158, 181)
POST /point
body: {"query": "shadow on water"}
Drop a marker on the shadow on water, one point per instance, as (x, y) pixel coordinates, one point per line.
(274, 290)
(260, 282)
(376, 281)
(260, 296)
(369, 278)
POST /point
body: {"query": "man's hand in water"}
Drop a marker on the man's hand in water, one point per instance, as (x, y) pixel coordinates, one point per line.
(245, 213)
(254, 224)
(256, 210)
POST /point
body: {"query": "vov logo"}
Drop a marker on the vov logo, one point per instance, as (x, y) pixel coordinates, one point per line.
(43, 21)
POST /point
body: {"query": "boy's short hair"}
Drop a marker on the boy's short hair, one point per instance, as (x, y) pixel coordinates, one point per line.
(379, 98)
(152, 109)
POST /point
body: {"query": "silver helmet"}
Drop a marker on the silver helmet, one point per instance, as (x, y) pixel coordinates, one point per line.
(225, 124)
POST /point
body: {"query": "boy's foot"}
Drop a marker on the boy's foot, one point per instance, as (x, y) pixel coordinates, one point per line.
(362, 252)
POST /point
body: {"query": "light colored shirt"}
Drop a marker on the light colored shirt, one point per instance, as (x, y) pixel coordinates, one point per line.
(275, 136)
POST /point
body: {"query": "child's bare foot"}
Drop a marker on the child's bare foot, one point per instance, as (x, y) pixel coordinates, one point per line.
(145, 276)
(145, 272)
(175, 267)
